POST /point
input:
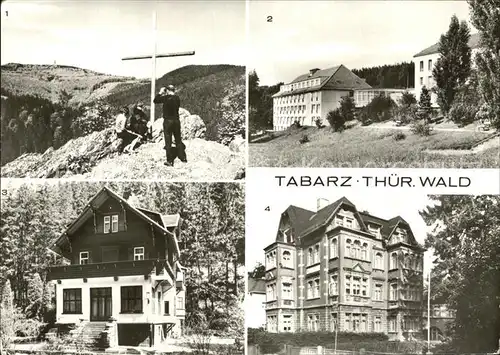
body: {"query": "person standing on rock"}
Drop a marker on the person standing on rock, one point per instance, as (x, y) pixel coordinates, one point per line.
(171, 124)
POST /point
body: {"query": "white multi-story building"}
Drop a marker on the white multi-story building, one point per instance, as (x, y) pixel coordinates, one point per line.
(255, 316)
(425, 61)
(311, 96)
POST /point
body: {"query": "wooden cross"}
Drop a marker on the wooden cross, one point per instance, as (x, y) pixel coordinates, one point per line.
(154, 56)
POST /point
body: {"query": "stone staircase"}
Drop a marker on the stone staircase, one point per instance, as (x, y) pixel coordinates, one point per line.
(91, 335)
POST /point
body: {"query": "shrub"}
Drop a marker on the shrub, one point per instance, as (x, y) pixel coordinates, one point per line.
(319, 123)
(424, 105)
(466, 103)
(398, 136)
(304, 139)
(378, 110)
(347, 108)
(421, 128)
(364, 118)
(296, 124)
(336, 120)
(404, 114)
(408, 99)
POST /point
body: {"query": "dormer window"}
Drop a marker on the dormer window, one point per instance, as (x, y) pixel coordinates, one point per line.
(139, 253)
(348, 222)
(84, 258)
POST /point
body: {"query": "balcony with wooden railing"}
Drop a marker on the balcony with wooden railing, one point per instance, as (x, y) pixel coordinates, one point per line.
(113, 268)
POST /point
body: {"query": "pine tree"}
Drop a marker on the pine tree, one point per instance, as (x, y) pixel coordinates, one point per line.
(467, 247)
(485, 16)
(424, 104)
(453, 66)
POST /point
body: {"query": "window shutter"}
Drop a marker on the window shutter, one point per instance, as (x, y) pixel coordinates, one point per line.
(130, 253)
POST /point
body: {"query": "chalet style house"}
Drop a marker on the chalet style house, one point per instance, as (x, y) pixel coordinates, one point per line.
(426, 59)
(345, 270)
(121, 273)
(311, 96)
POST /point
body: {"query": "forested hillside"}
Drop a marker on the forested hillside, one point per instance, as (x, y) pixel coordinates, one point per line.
(211, 241)
(31, 122)
(393, 76)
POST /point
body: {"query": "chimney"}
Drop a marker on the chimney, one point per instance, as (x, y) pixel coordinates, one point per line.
(312, 71)
(321, 203)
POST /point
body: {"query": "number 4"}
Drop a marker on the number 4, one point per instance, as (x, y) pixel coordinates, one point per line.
(267, 209)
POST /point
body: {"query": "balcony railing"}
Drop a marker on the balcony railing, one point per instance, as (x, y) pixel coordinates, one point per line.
(115, 268)
(272, 304)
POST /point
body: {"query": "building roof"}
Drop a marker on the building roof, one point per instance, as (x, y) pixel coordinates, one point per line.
(304, 221)
(473, 43)
(256, 285)
(334, 78)
(97, 201)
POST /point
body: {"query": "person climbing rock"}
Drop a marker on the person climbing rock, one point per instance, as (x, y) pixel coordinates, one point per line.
(139, 121)
(122, 129)
(171, 124)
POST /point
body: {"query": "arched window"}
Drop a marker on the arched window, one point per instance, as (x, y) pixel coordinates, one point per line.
(316, 254)
(287, 259)
(364, 251)
(378, 261)
(310, 256)
(333, 248)
(357, 249)
(394, 261)
(348, 248)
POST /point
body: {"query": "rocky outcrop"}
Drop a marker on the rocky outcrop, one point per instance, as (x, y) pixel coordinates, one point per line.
(96, 156)
(77, 156)
(192, 126)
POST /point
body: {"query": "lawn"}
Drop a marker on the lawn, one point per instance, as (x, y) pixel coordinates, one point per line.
(364, 147)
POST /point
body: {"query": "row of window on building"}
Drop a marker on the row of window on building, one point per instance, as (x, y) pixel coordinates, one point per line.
(85, 255)
(301, 85)
(297, 109)
(353, 322)
(131, 299)
(429, 65)
(354, 285)
(430, 82)
(355, 249)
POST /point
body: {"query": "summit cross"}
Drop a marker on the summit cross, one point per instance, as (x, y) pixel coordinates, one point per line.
(154, 56)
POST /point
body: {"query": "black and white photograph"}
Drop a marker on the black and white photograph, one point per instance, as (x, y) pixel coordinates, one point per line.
(135, 90)
(122, 267)
(372, 273)
(374, 84)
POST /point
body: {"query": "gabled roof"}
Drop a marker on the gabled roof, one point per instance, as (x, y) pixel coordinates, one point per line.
(256, 285)
(305, 221)
(473, 43)
(299, 217)
(96, 202)
(324, 215)
(334, 78)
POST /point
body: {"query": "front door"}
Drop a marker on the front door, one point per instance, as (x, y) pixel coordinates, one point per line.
(100, 303)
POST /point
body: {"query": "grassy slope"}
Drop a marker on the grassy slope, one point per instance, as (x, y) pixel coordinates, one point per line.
(364, 147)
(48, 81)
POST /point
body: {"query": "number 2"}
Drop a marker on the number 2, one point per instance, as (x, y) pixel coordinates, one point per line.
(269, 19)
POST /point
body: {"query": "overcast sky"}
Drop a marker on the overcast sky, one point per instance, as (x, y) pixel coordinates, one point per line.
(96, 35)
(306, 34)
(262, 225)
